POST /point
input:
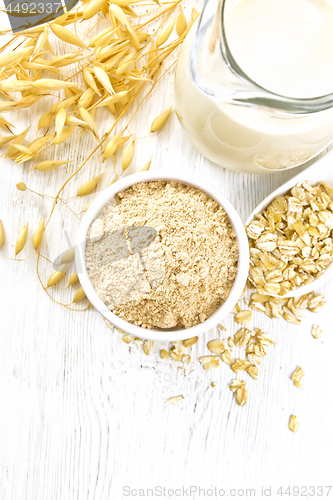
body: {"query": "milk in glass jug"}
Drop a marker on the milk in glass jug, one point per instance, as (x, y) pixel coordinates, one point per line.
(254, 82)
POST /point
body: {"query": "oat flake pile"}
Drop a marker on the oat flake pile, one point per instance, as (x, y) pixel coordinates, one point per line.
(183, 272)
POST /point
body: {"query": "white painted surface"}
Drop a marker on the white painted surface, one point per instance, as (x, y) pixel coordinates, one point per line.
(83, 415)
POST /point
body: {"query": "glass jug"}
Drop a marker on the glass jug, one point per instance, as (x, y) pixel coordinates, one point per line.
(234, 120)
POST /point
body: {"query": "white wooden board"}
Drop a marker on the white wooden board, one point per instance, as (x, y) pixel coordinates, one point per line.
(83, 415)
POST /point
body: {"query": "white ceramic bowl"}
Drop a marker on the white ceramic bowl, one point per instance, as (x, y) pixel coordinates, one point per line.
(160, 334)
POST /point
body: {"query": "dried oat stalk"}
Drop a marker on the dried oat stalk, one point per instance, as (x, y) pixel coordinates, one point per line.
(112, 69)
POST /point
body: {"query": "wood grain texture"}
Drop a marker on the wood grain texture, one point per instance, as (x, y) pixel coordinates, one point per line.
(83, 414)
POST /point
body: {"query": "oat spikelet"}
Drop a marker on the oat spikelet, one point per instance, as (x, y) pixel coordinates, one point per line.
(88, 186)
(128, 154)
(147, 165)
(48, 85)
(114, 98)
(194, 15)
(60, 120)
(160, 121)
(181, 24)
(66, 35)
(38, 236)
(42, 39)
(92, 8)
(21, 239)
(2, 235)
(87, 98)
(57, 276)
(45, 120)
(90, 81)
(111, 146)
(86, 117)
(6, 139)
(164, 35)
(66, 133)
(104, 79)
(79, 295)
(21, 186)
(46, 166)
(73, 279)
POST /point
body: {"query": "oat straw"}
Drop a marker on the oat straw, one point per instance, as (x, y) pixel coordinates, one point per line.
(21, 186)
(66, 35)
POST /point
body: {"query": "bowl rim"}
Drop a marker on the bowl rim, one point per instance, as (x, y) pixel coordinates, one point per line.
(151, 334)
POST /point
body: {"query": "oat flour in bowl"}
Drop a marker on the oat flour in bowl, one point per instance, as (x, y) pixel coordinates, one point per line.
(162, 255)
